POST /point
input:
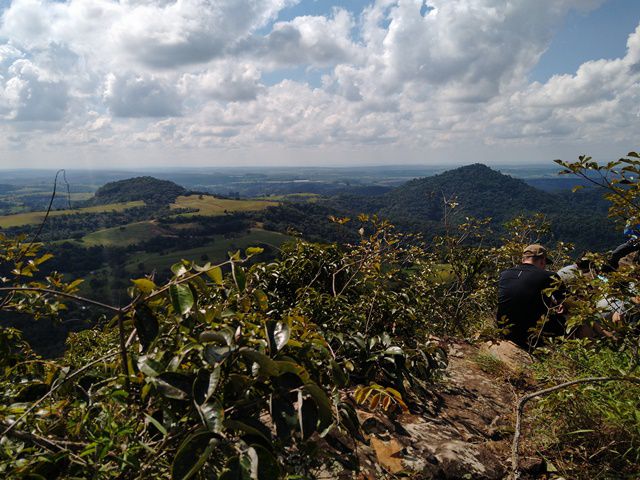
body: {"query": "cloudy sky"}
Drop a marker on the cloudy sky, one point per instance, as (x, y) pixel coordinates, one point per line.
(144, 83)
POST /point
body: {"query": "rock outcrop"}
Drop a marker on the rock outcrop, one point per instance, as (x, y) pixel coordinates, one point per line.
(468, 429)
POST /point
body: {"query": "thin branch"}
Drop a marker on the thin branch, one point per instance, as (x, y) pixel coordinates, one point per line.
(50, 443)
(61, 294)
(123, 352)
(522, 402)
(46, 215)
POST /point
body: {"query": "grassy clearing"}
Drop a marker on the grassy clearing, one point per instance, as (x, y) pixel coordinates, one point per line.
(215, 250)
(211, 206)
(32, 218)
(122, 236)
(74, 197)
(293, 197)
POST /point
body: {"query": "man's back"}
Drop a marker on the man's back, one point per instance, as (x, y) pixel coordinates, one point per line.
(521, 301)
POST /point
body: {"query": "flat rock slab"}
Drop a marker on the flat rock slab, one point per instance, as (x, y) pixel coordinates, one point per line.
(466, 435)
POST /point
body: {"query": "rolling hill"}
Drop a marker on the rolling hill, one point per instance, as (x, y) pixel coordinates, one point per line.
(148, 189)
(480, 192)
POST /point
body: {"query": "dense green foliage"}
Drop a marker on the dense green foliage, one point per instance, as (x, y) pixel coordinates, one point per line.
(227, 373)
(149, 189)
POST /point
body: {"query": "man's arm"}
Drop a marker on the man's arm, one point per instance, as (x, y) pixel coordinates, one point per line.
(621, 251)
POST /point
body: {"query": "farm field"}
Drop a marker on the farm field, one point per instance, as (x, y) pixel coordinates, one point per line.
(31, 218)
(122, 236)
(308, 197)
(215, 250)
(211, 206)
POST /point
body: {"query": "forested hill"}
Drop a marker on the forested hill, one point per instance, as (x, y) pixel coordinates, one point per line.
(149, 189)
(480, 192)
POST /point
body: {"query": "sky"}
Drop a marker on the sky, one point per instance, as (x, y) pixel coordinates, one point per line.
(163, 83)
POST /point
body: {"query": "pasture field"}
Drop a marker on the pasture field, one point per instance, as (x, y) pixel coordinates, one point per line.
(292, 197)
(208, 205)
(74, 197)
(122, 236)
(31, 218)
(215, 250)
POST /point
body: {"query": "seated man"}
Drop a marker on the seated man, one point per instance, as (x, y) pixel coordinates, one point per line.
(522, 301)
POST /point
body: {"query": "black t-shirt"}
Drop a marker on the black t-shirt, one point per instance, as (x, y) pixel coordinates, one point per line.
(521, 300)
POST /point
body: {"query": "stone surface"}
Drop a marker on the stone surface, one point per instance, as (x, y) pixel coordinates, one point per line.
(466, 435)
(509, 353)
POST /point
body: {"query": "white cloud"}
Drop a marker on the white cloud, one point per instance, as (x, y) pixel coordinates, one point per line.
(308, 40)
(30, 95)
(140, 96)
(226, 81)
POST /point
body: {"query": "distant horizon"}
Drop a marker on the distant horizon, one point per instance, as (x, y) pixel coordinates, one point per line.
(196, 168)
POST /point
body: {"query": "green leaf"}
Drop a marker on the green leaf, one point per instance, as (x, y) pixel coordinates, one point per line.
(277, 335)
(216, 355)
(181, 298)
(394, 351)
(74, 284)
(224, 336)
(146, 325)
(253, 251)
(267, 366)
(157, 424)
(241, 278)
(149, 366)
(215, 274)
(262, 299)
(178, 269)
(205, 384)
(325, 411)
(281, 334)
(205, 268)
(576, 188)
(283, 415)
(212, 414)
(192, 455)
(248, 429)
(285, 366)
(340, 378)
(249, 464)
(267, 465)
(174, 385)
(308, 415)
(349, 419)
(145, 285)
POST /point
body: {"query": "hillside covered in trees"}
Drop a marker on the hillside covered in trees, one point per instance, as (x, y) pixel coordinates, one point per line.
(428, 205)
(148, 189)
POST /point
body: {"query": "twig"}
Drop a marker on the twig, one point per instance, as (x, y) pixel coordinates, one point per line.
(48, 443)
(61, 294)
(123, 352)
(522, 402)
(46, 215)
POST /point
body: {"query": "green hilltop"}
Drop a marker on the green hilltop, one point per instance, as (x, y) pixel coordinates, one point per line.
(149, 189)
